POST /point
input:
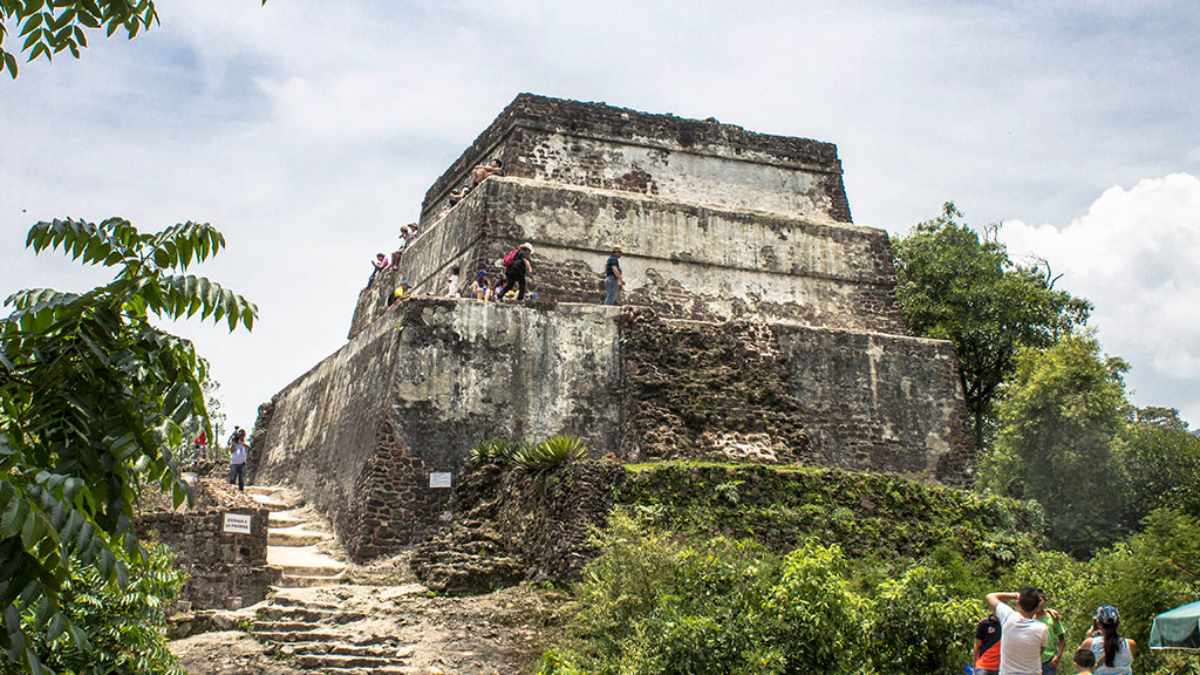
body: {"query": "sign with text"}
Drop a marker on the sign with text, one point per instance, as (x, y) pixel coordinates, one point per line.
(439, 479)
(237, 523)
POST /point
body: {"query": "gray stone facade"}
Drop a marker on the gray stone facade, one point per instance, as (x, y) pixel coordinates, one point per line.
(759, 325)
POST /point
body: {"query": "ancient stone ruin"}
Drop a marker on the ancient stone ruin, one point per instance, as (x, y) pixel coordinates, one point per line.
(758, 325)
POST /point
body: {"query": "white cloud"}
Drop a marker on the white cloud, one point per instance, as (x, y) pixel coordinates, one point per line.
(1134, 254)
(308, 132)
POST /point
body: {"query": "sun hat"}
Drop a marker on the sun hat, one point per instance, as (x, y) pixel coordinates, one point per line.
(617, 249)
(527, 246)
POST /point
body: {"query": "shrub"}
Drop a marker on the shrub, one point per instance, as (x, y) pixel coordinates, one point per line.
(549, 453)
(126, 627)
(922, 624)
(492, 451)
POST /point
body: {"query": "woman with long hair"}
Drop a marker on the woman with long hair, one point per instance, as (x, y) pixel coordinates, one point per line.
(1114, 654)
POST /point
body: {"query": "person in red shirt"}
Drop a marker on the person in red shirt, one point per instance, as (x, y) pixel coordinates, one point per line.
(201, 450)
(986, 655)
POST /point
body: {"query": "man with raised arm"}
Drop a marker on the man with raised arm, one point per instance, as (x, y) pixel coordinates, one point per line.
(1022, 636)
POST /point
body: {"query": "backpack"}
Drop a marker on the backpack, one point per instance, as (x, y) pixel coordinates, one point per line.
(511, 257)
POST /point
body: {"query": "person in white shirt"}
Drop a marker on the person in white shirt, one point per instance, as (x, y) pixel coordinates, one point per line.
(1022, 636)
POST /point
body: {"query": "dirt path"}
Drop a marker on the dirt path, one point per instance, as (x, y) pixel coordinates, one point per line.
(333, 617)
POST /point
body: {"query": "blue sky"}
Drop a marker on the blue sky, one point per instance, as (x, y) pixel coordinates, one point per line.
(308, 135)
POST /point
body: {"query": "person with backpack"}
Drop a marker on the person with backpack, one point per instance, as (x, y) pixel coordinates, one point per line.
(516, 266)
(239, 453)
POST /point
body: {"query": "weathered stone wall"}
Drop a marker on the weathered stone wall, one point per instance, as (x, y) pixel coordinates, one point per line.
(411, 395)
(705, 162)
(683, 260)
(548, 519)
(218, 565)
(361, 433)
(781, 393)
(513, 525)
(325, 426)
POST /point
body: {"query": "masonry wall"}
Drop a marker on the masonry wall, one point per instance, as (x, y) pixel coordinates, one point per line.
(683, 260)
(325, 426)
(218, 565)
(777, 393)
(361, 433)
(705, 162)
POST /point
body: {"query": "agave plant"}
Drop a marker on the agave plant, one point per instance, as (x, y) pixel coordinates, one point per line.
(550, 452)
(492, 451)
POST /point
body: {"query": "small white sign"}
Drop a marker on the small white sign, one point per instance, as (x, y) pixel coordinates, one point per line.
(237, 523)
(439, 479)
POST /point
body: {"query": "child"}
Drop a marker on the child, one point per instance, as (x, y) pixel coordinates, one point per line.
(452, 283)
(1085, 661)
(480, 289)
(380, 264)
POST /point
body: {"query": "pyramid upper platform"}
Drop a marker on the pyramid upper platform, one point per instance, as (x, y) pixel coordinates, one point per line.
(699, 161)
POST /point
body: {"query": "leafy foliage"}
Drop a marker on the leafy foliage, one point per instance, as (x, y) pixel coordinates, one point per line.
(952, 285)
(1061, 422)
(919, 619)
(547, 454)
(655, 604)
(92, 396)
(50, 28)
(492, 451)
(1163, 462)
(126, 626)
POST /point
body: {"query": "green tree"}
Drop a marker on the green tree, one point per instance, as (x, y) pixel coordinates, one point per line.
(1059, 430)
(1163, 461)
(953, 285)
(92, 396)
(48, 28)
(1153, 571)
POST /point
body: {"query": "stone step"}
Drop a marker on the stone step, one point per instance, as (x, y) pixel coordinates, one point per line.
(303, 560)
(266, 490)
(288, 518)
(343, 649)
(327, 616)
(270, 626)
(276, 637)
(375, 670)
(306, 661)
(296, 536)
(285, 601)
(301, 581)
(278, 503)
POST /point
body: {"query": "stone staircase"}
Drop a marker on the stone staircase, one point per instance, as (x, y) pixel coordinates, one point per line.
(326, 636)
(299, 540)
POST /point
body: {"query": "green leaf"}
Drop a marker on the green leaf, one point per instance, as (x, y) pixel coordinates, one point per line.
(14, 518)
(58, 624)
(33, 531)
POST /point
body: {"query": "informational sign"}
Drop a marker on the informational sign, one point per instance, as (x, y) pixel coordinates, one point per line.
(439, 479)
(237, 523)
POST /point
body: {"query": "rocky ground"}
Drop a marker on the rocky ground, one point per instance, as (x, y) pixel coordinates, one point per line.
(379, 629)
(336, 617)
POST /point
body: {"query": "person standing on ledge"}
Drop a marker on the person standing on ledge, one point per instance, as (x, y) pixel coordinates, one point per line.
(515, 270)
(613, 281)
(239, 452)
